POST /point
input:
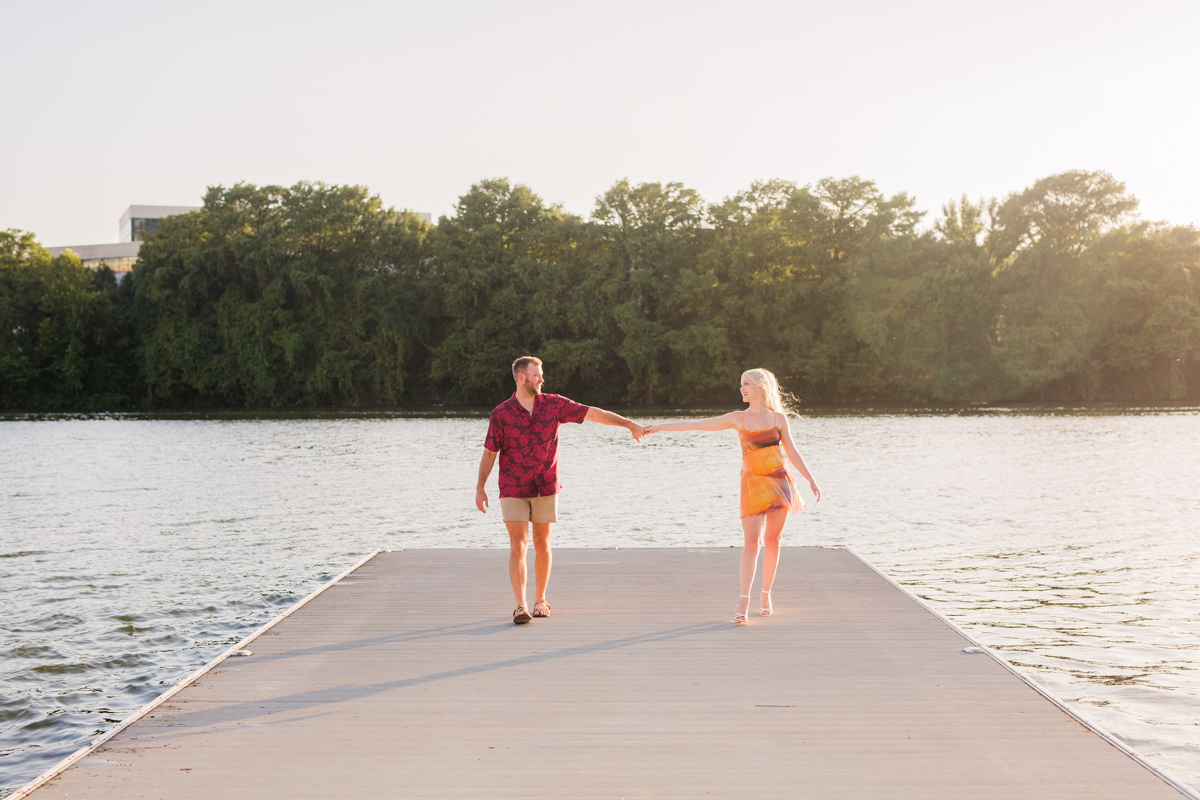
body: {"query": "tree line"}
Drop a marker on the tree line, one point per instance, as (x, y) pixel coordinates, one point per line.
(318, 296)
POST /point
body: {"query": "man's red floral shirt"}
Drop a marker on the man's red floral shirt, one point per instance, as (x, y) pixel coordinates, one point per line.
(528, 443)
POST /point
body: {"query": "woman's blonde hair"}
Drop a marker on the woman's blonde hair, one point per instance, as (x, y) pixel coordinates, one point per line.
(774, 398)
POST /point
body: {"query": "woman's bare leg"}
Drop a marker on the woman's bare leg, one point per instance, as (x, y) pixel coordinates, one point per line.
(772, 535)
(752, 530)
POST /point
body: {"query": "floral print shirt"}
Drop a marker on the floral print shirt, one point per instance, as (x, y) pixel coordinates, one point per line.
(528, 443)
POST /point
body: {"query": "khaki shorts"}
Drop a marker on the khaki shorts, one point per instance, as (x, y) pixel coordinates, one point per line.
(530, 509)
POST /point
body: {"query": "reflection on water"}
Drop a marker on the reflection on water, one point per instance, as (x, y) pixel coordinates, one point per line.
(132, 550)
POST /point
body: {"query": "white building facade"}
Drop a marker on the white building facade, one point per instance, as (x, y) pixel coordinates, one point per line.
(135, 224)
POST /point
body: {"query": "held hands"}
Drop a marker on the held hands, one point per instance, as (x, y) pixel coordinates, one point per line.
(637, 431)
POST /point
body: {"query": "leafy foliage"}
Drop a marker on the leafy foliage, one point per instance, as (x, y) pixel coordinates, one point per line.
(279, 297)
(316, 295)
(66, 333)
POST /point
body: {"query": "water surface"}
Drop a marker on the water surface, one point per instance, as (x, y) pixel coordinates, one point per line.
(133, 549)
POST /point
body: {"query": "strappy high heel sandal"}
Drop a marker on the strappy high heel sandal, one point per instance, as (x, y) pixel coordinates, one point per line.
(766, 609)
(739, 617)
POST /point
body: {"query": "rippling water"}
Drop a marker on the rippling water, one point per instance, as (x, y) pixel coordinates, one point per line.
(133, 550)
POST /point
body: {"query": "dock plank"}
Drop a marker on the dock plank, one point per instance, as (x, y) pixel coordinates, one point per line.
(406, 679)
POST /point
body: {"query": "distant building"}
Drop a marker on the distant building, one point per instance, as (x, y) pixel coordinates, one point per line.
(136, 222)
(117, 257)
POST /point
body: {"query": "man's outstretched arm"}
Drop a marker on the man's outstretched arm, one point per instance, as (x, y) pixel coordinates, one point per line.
(609, 418)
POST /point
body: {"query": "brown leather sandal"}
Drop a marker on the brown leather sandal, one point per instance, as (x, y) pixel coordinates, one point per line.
(541, 609)
(520, 615)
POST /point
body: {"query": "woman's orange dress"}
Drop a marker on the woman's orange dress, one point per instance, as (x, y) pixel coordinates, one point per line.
(766, 483)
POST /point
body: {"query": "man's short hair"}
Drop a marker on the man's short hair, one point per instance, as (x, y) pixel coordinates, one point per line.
(524, 361)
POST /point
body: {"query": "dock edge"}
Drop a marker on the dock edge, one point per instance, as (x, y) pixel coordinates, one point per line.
(1112, 740)
(96, 743)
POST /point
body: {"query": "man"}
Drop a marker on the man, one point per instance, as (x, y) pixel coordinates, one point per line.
(523, 431)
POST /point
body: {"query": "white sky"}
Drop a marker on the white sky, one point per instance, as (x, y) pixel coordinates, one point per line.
(109, 104)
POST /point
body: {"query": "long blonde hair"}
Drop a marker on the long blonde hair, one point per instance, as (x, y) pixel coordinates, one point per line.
(774, 398)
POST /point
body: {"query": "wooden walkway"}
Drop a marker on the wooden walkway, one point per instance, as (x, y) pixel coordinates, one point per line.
(405, 679)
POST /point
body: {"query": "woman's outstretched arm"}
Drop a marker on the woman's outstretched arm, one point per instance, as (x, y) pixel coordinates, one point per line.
(722, 423)
(789, 447)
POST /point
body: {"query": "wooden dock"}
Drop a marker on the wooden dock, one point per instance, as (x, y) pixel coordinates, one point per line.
(406, 679)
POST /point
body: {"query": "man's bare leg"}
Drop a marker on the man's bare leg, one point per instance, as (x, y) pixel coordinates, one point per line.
(543, 559)
(518, 543)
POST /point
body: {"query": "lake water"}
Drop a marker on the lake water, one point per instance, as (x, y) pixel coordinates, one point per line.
(134, 549)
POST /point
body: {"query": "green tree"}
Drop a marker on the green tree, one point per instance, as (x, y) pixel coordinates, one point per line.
(1050, 321)
(877, 266)
(789, 281)
(279, 296)
(952, 320)
(1150, 347)
(747, 300)
(646, 235)
(66, 336)
(499, 290)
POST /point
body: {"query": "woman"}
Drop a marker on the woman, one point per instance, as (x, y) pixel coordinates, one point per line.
(768, 491)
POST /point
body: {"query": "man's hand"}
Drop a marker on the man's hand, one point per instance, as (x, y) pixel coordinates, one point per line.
(595, 414)
(485, 468)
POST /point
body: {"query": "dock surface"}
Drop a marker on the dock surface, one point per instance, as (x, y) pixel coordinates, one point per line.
(407, 679)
